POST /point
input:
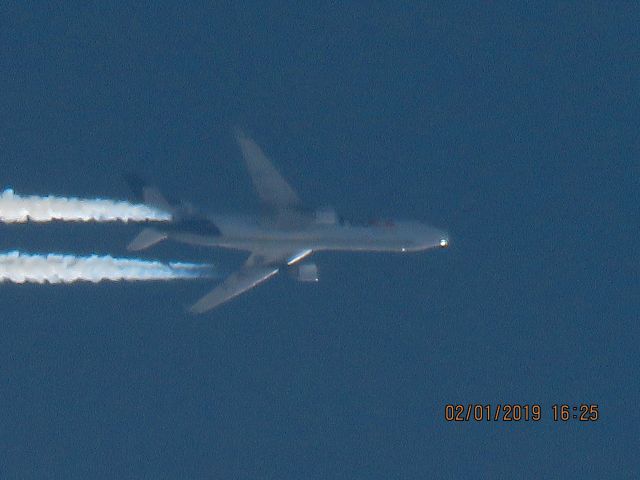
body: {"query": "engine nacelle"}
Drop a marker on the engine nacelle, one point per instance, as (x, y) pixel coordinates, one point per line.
(326, 216)
(306, 272)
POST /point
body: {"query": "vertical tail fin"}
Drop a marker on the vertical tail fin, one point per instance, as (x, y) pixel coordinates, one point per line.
(147, 194)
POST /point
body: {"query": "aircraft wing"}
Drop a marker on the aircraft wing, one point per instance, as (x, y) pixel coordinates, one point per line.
(258, 268)
(273, 190)
(235, 284)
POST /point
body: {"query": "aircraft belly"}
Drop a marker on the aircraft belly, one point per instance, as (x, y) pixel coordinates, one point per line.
(294, 244)
(278, 240)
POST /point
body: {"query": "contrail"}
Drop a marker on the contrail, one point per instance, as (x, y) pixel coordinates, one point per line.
(20, 267)
(15, 208)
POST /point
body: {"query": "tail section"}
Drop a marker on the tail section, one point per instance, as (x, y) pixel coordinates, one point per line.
(145, 239)
(184, 217)
(147, 194)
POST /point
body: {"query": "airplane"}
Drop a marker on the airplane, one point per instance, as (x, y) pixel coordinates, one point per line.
(281, 237)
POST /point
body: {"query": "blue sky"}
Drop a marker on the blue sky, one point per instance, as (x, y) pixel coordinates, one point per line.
(514, 127)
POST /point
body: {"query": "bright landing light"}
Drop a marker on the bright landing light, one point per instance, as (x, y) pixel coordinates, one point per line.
(444, 243)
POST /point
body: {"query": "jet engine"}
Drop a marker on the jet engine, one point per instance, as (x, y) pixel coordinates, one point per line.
(306, 272)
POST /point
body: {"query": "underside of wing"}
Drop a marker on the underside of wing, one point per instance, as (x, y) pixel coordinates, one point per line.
(272, 188)
(235, 284)
(259, 267)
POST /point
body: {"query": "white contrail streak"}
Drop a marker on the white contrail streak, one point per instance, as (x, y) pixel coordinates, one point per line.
(19, 267)
(15, 208)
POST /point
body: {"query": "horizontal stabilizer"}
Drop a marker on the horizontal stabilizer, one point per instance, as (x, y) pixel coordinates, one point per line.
(145, 239)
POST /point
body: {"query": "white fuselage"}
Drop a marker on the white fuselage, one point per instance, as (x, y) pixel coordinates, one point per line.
(250, 233)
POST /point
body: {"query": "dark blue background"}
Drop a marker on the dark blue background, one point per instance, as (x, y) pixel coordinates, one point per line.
(514, 126)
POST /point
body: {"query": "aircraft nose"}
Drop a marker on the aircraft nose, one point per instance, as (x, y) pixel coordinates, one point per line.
(435, 238)
(425, 236)
(442, 239)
